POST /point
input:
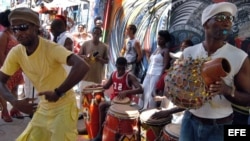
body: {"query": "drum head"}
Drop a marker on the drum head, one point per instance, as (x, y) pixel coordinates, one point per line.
(173, 129)
(124, 111)
(125, 100)
(145, 117)
(92, 89)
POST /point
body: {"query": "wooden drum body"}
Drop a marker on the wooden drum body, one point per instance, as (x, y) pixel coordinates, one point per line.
(91, 100)
(121, 123)
(152, 127)
(171, 132)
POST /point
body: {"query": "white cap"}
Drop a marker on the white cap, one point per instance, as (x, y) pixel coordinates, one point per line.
(216, 8)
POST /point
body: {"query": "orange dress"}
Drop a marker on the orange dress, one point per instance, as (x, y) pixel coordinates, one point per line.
(17, 78)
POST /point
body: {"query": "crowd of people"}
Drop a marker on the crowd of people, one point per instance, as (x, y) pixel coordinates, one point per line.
(56, 64)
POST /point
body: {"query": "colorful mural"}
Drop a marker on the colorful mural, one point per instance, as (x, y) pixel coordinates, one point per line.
(180, 17)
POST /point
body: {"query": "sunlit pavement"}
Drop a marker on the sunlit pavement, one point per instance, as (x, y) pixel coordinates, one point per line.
(9, 131)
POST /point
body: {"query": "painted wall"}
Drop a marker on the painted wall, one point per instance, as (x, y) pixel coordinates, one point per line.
(180, 17)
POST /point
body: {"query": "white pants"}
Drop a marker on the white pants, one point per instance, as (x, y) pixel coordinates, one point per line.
(149, 84)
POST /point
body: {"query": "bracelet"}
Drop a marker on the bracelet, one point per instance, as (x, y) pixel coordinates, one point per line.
(59, 94)
(233, 91)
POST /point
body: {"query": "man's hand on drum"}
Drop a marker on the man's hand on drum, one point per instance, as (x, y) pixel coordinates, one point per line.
(161, 114)
(219, 87)
(122, 95)
(51, 96)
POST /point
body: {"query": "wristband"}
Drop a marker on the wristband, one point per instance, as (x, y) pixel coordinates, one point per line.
(59, 94)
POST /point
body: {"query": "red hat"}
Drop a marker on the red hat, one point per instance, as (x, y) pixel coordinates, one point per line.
(61, 17)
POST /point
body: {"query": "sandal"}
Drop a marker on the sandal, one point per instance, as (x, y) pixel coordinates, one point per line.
(6, 117)
(14, 113)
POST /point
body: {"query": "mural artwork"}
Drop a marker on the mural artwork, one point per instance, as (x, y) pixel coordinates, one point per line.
(180, 17)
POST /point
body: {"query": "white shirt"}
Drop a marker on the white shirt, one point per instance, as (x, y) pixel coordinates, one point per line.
(219, 106)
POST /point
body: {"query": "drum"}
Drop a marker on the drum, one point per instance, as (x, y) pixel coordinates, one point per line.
(91, 100)
(171, 132)
(151, 128)
(121, 123)
(133, 101)
(125, 100)
(187, 80)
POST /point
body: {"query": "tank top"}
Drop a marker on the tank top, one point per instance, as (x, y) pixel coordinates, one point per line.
(130, 53)
(156, 64)
(61, 41)
(219, 106)
(63, 36)
(120, 83)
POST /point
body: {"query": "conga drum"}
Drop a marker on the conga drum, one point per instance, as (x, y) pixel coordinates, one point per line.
(127, 101)
(151, 128)
(171, 132)
(116, 100)
(121, 123)
(91, 100)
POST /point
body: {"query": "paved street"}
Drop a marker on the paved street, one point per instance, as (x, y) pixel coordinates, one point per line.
(10, 131)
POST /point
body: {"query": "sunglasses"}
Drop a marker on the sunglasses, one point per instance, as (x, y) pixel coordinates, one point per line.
(223, 18)
(21, 27)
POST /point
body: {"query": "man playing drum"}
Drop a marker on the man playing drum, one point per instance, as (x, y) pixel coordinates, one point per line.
(124, 84)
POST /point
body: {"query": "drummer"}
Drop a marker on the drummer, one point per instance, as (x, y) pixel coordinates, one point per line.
(124, 83)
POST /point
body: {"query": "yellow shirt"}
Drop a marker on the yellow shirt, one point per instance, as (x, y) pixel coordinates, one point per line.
(43, 68)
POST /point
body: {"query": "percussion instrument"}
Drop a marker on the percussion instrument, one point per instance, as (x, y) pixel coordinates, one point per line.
(171, 132)
(151, 128)
(132, 101)
(214, 69)
(91, 99)
(187, 80)
(125, 100)
(121, 123)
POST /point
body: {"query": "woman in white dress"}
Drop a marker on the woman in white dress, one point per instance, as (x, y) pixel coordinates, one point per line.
(159, 61)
